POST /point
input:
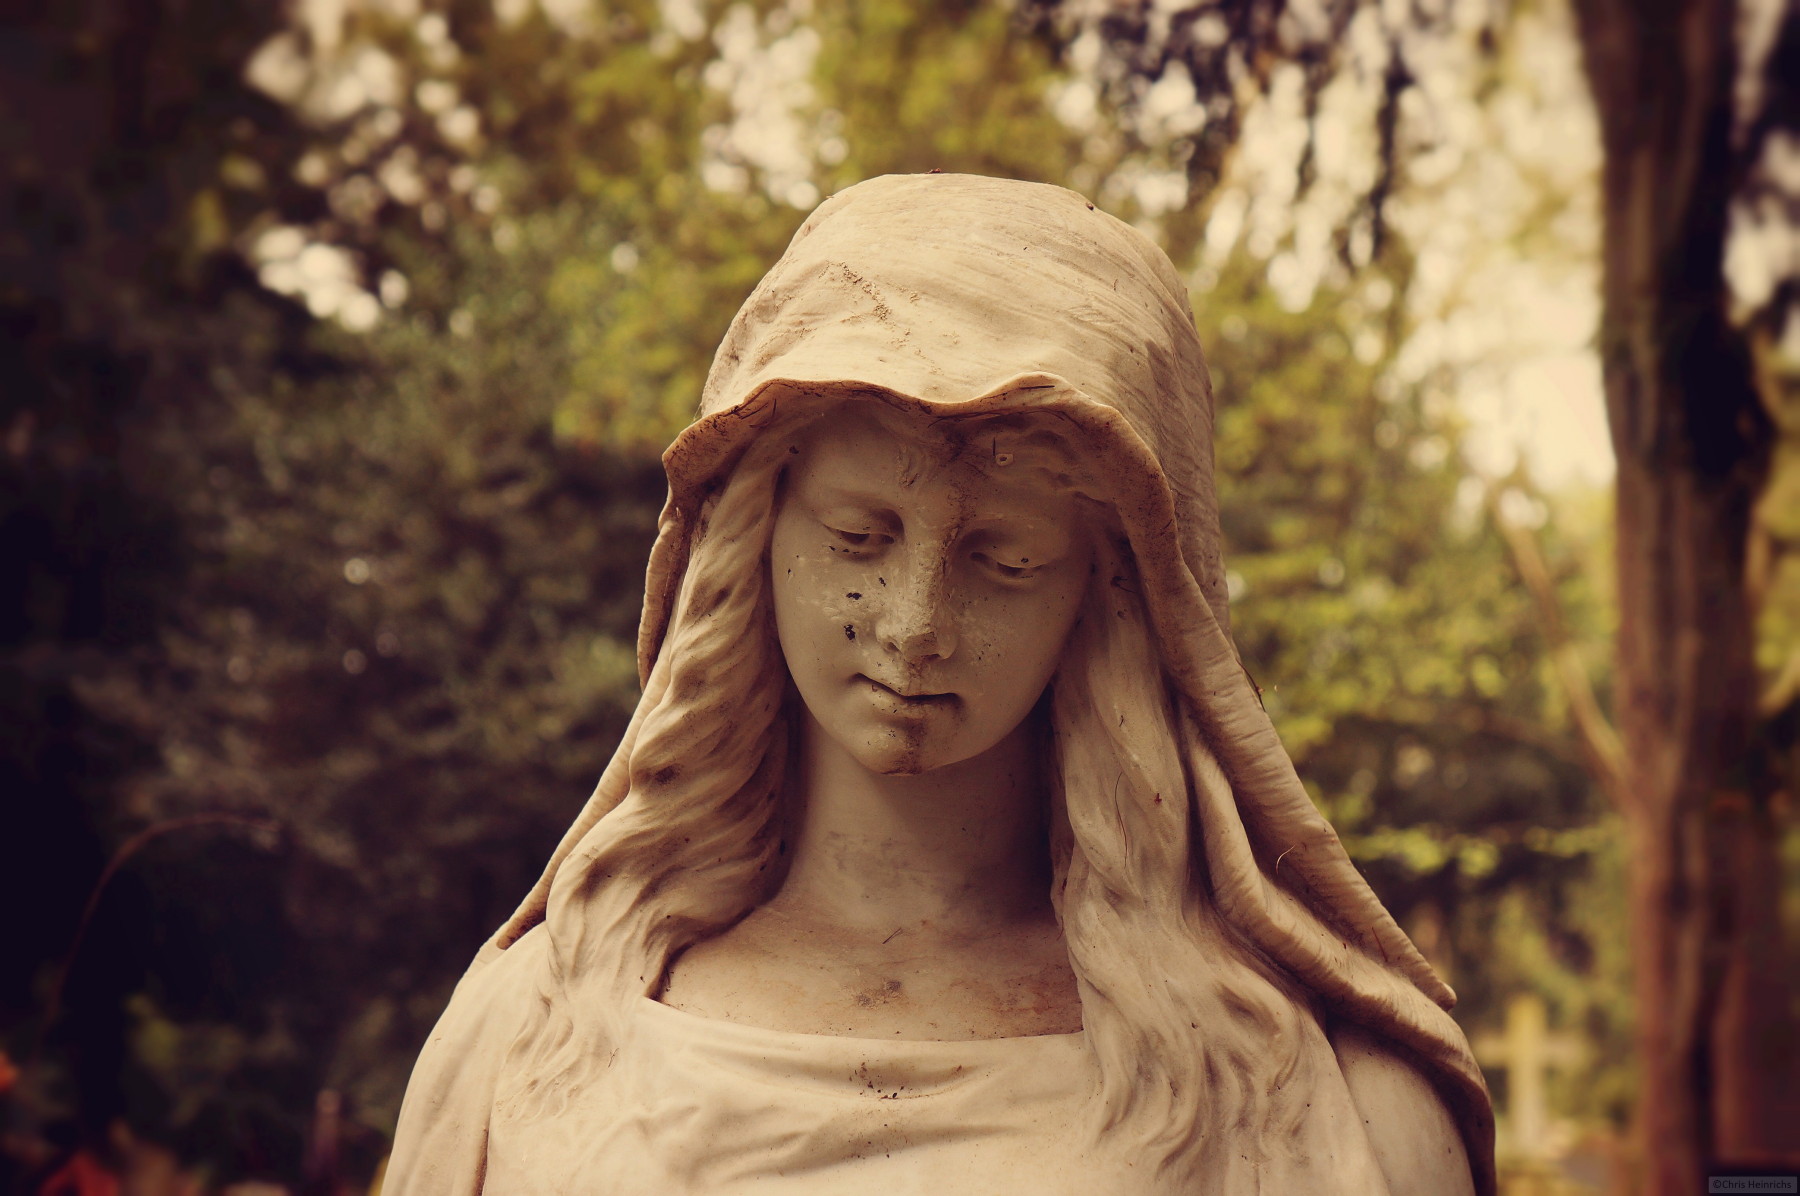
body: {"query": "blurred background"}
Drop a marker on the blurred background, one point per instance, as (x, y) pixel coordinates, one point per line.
(341, 339)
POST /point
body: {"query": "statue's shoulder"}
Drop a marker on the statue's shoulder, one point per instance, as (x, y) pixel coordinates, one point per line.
(492, 997)
(440, 1145)
(1411, 1130)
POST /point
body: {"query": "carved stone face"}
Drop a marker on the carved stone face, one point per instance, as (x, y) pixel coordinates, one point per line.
(925, 582)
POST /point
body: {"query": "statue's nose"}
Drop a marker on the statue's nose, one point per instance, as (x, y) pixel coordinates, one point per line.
(915, 622)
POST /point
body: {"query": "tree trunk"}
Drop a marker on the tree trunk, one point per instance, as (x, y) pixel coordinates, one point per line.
(1692, 443)
(1754, 1039)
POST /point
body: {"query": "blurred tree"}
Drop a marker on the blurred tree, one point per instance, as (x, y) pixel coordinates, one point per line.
(132, 150)
(1692, 125)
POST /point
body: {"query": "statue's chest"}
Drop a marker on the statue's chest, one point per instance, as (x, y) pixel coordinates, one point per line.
(695, 1105)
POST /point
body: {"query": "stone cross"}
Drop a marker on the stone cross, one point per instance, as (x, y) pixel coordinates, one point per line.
(1527, 1050)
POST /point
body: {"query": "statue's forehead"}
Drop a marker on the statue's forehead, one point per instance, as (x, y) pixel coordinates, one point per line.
(901, 443)
(994, 465)
(876, 433)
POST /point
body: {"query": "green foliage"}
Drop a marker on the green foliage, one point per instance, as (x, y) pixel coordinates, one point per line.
(901, 82)
(410, 639)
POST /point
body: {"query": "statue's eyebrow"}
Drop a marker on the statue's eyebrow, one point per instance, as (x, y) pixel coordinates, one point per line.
(829, 496)
(1025, 528)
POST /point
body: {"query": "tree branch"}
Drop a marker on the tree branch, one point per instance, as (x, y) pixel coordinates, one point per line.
(1601, 745)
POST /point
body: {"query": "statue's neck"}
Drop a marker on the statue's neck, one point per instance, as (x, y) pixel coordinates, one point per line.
(961, 848)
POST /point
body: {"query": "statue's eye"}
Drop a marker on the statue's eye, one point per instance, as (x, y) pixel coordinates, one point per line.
(863, 541)
(1019, 572)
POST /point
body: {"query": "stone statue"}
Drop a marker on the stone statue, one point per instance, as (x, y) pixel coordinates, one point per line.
(950, 849)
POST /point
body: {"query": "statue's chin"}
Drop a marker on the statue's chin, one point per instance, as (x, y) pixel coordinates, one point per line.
(895, 759)
(902, 755)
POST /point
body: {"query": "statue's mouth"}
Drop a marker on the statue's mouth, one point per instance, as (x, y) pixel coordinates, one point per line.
(917, 699)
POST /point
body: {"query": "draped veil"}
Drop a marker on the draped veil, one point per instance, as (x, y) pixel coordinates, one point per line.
(975, 295)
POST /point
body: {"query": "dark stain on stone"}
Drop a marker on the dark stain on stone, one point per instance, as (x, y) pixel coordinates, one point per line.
(889, 991)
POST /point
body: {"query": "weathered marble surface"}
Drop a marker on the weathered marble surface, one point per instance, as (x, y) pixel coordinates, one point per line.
(950, 848)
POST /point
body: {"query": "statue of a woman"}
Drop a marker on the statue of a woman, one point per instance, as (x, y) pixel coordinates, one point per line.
(950, 849)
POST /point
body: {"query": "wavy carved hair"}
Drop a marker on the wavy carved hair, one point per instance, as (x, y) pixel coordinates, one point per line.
(1204, 1049)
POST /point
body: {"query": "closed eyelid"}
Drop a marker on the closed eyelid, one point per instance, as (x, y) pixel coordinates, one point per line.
(1015, 571)
(855, 519)
(856, 527)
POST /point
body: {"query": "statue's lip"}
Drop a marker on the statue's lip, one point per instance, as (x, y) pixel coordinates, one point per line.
(900, 693)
